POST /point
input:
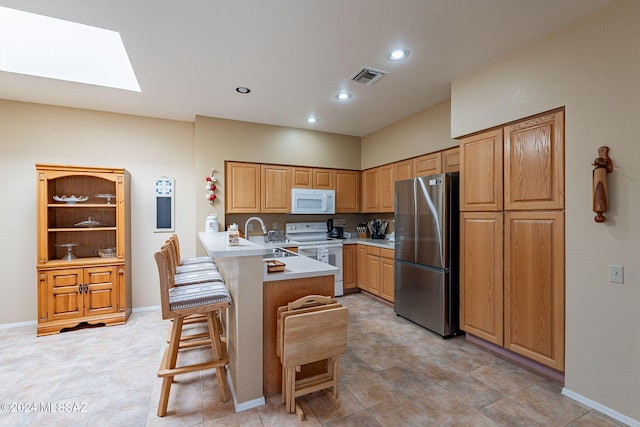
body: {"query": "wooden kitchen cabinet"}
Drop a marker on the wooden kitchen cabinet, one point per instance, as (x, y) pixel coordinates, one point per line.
(362, 275)
(386, 188)
(481, 280)
(534, 163)
(275, 189)
(386, 274)
(316, 178)
(403, 169)
(347, 184)
(427, 164)
(349, 271)
(242, 187)
(534, 286)
(481, 172)
(370, 192)
(301, 177)
(374, 269)
(83, 287)
(451, 160)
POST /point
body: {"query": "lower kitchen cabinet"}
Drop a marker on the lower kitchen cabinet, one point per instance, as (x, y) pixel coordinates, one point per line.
(534, 286)
(386, 274)
(349, 255)
(512, 282)
(375, 270)
(481, 287)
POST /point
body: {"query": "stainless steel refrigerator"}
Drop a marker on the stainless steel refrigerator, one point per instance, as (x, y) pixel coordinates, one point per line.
(426, 275)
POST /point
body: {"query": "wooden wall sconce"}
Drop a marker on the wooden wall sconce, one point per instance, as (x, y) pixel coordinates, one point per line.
(601, 167)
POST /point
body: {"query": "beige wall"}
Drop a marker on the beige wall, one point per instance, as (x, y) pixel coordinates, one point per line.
(147, 148)
(593, 69)
(217, 140)
(423, 132)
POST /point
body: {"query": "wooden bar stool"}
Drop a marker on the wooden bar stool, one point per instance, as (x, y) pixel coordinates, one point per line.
(188, 261)
(179, 302)
(312, 329)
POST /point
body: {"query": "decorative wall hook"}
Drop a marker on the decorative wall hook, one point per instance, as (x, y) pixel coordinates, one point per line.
(601, 167)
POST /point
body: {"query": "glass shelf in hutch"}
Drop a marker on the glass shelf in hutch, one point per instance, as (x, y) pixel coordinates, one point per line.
(83, 245)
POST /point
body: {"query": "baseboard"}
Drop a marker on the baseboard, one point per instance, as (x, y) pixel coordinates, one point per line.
(243, 406)
(600, 408)
(18, 324)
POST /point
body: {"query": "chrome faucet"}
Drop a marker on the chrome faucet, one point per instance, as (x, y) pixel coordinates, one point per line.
(246, 224)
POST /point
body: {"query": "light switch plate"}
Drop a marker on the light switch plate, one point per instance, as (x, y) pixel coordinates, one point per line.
(616, 273)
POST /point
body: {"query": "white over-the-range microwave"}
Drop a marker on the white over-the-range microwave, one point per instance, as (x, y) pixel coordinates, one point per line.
(308, 201)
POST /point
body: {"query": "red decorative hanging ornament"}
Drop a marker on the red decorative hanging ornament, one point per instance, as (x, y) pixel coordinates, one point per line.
(210, 186)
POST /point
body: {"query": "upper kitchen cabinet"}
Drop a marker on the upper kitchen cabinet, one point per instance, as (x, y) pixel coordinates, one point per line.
(275, 189)
(481, 172)
(403, 169)
(370, 193)
(451, 160)
(534, 163)
(242, 187)
(347, 184)
(428, 164)
(387, 187)
(316, 178)
(301, 177)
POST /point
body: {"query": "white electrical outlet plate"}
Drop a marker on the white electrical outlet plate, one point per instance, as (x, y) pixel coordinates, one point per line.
(275, 225)
(616, 273)
(250, 227)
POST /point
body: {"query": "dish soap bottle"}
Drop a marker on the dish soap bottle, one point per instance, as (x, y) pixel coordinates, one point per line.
(233, 235)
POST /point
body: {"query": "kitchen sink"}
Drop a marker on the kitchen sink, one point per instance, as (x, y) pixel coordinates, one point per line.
(278, 253)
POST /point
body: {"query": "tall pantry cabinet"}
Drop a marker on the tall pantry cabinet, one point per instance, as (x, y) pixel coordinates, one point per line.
(78, 282)
(512, 237)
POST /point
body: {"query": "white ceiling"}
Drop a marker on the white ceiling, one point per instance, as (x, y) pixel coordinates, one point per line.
(295, 55)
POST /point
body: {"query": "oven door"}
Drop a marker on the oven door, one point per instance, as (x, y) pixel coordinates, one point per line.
(334, 257)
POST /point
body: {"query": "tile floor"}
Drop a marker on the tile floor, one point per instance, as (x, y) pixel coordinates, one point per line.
(394, 373)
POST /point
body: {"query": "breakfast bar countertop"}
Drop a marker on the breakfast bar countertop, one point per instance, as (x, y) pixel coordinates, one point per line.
(216, 246)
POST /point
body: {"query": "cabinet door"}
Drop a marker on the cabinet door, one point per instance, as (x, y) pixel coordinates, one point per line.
(370, 196)
(323, 179)
(64, 296)
(427, 164)
(362, 275)
(374, 269)
(387, 187)
(242, 187)
(481, 281)
(349, 253)
(481, 172)
(347, 191)
(386, 266)
(534, 163)
(275, 187)
(403, 170)
(301, 177)
(451, 160)
(101, 295)
(534, 286)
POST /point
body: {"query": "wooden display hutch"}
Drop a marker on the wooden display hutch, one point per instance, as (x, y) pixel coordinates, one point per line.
(75, 284)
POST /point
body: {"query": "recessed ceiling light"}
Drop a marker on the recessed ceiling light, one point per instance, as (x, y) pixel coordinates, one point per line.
(398, 54)
(243, 89)
(312, 119)
(343, 96)
(42, 46)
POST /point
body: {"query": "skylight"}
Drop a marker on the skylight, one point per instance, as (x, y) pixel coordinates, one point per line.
(41, 46)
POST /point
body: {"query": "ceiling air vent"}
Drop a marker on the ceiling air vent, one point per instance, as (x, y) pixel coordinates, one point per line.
(368, 76)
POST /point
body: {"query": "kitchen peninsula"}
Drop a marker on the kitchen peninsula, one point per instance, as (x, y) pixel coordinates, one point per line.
(254, 370)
